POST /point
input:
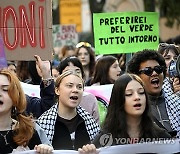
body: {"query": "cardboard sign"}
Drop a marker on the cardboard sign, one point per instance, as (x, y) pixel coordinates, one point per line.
(125, 32)
(26, 28)
(64, 35)
(70, 13)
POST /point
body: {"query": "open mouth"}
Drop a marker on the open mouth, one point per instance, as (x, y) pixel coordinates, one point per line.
(137, 105)
(1, 103)
(155, 81)
(74, 98)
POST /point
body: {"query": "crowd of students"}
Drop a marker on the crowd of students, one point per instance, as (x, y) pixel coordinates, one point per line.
(144, 103)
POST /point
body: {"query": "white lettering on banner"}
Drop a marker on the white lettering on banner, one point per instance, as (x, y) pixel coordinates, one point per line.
(160, 147)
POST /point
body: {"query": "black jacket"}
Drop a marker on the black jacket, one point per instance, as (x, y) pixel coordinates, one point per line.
(63, 140)
(4, 149)
(38, 106)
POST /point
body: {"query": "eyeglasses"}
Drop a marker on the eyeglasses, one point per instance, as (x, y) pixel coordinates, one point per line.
(164, 45)
(80, 44)
(148, 70)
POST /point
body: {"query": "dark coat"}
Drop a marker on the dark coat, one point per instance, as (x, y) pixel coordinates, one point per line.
(4, 149)
(63, 140)
(37, 106)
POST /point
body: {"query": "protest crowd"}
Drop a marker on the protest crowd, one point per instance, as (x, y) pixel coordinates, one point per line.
(144, 104)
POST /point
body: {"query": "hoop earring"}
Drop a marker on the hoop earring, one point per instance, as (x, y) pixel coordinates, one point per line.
(14, 112)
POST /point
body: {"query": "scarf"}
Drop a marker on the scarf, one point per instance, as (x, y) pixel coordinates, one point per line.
(172, 101)
(48, 119)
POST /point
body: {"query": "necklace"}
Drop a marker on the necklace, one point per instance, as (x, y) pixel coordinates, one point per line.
(5, 136)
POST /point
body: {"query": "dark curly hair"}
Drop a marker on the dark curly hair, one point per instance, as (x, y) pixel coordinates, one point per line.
(142, 56)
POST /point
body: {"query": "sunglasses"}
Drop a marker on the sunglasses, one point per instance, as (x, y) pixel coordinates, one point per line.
(148, 70)
(165, 45)
(80, 44)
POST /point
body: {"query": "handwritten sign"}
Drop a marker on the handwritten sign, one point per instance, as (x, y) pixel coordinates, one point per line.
(26, 28)
(70, 13)
(125, 32)
(64, 35)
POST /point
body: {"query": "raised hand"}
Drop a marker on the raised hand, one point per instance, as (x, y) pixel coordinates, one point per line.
(43, 67)
(176, 85)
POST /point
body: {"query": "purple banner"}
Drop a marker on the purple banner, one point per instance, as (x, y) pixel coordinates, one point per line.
(3, 61)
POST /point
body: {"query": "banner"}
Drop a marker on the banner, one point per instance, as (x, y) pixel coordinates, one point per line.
(3, 62)
(103, 91)
(125, 32)
(31, 90)
(164, 147)
(64, 35)
(54, 152)
(26, 28)
(171, 146)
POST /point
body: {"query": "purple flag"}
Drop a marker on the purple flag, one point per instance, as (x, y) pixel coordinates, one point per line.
(3, 61)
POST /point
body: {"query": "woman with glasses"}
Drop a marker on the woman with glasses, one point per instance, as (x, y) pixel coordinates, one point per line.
(151, 68)
(87, 57)
(170, 52)
(128, 119)
(171, 83)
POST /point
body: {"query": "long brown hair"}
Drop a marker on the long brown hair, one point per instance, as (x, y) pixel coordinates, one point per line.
(24, 128)
(101, 70)
(115, 122)
(91, 56)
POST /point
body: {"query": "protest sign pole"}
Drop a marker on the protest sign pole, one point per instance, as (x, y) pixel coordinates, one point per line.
(128, 57)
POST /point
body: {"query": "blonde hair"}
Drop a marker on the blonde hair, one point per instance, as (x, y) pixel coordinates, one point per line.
(136, 78)
(65, 74)
(25, 128)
